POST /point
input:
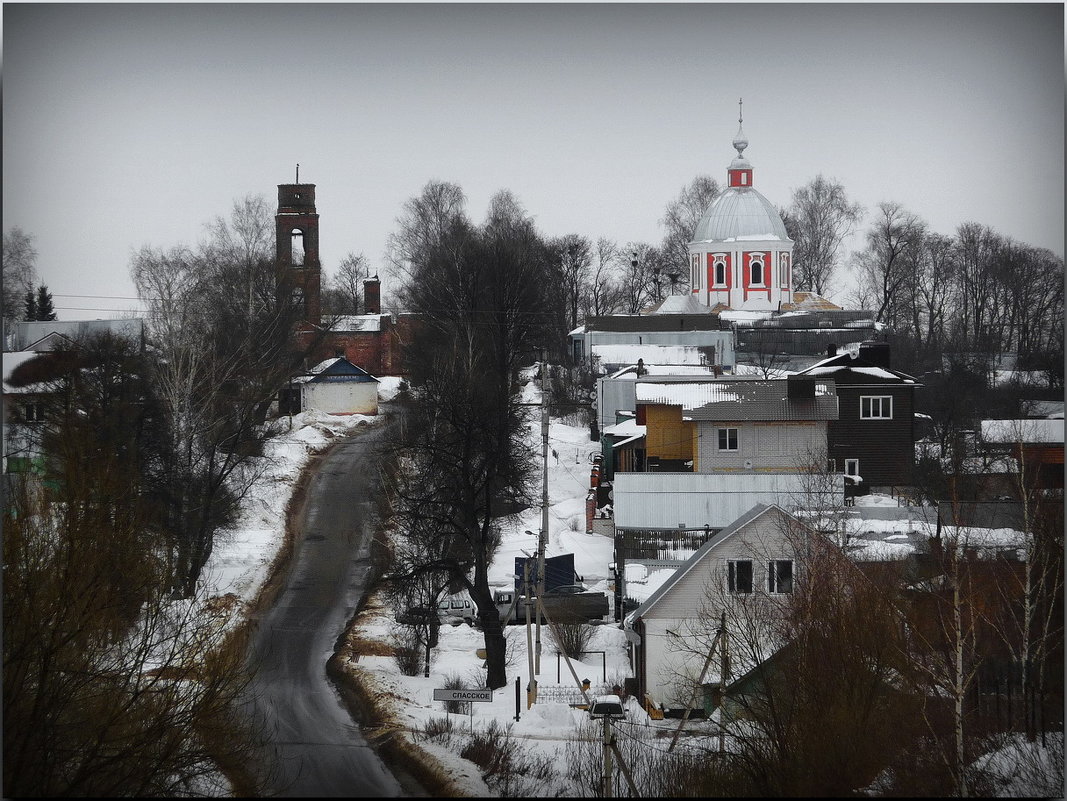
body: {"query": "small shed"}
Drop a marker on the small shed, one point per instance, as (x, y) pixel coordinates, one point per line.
(336, 386)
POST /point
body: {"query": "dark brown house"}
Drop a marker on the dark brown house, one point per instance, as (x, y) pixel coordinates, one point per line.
(874, 434)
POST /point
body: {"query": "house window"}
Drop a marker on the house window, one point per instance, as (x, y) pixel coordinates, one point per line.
(876, 407)
(696, 271)
(739, 575)
(727, 439)
(852, 467)
(33, 412)
(780, 576)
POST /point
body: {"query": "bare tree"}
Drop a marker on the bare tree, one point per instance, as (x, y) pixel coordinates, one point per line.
(887, 266)
(20, 274)
(223, 335)
(602, 293)
(976, 247)
(425, 222)
(680, 219)
(110, 688)
(821, 217)
(935, 274)
(244, 244)
(642, 268)
(463, 452)
(344, 294)
(575, 261)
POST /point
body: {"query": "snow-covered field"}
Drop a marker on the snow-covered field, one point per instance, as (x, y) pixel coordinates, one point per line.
(550, 731)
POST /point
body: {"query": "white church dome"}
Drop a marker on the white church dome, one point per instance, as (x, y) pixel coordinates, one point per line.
(738, 214)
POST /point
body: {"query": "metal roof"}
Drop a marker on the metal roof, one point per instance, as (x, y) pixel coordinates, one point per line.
(698, 556)
(1026, 431)
(742, 400)
(739, 214)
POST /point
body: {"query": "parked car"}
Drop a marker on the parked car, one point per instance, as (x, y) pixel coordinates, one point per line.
(417, 616)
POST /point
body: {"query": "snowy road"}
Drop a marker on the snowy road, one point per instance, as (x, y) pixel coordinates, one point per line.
(319, 750)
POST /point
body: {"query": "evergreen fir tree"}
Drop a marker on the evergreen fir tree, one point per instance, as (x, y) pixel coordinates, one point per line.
(30, 302)
(45, 309)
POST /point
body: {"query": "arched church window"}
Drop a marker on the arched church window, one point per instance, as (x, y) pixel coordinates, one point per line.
(695, 280)
(297, 240)
(756, 266)
(720, 272)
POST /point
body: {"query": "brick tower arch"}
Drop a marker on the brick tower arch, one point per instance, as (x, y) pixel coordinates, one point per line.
(300, 279)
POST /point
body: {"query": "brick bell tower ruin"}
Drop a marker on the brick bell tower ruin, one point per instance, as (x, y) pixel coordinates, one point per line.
(299, 272)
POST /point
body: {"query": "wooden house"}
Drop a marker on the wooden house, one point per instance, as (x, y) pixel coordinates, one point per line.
(873, 436)
(740, 576)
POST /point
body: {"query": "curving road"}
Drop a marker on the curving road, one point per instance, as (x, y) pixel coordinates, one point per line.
(318, 750)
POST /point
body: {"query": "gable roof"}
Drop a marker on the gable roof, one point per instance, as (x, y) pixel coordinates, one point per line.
(51, 341)
(336, 369)
(701, 553)
(845, 368)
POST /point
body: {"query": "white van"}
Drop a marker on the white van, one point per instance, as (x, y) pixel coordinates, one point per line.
(456, 609)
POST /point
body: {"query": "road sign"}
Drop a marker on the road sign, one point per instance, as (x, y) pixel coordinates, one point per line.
(462, 695)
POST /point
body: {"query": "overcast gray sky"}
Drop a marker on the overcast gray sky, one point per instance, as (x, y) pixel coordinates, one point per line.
(134, 124)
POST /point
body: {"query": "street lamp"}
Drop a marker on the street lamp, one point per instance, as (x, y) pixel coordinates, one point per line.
(674, 275)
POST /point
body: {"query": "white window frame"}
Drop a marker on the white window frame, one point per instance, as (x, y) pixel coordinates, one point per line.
(732, 584)
(774, 584)
(854, 464)
(696, 271)
(717, 264)
(868, 407)
(752, 262)
(719, 439)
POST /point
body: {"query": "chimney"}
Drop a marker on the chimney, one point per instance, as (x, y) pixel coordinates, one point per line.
(372, 296)
(875, 353)
(800, 387)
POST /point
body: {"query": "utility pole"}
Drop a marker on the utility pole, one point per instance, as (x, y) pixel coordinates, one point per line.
(608, 771)
(531, 688)
(699, 683)
(542, 540)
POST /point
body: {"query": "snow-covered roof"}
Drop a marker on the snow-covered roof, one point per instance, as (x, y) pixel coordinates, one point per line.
(744, 315)
(627, 428)
(742, 399)
(358, 322)
(876, 372)
(681, 304)
(698, 556)
(630, 371)
(1037, 431)
(659, 354)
